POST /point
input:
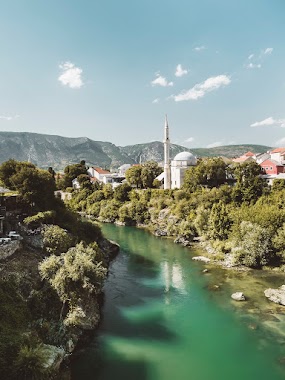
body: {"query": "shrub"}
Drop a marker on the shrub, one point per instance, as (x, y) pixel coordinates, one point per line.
(56, 240)
(44, 217)
(254, 248)
(31, 364)
(74, 275)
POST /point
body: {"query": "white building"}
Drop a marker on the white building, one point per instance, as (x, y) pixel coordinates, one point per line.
(181, 162)
(278, 155)
(123, 168)
(99, 173)
(174, 172)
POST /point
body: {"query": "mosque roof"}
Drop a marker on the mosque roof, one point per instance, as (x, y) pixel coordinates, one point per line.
(185, 156)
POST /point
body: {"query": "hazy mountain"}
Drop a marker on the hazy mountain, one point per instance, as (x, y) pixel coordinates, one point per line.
(57, 151)
(154, 151)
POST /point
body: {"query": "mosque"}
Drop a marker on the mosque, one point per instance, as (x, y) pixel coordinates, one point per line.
(174, 171)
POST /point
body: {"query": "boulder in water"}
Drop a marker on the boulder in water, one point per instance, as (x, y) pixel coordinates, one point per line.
(276, 295)
(201, 258)
(238, 296)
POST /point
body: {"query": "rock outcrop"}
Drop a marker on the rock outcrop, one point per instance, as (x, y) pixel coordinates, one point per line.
(276, 295)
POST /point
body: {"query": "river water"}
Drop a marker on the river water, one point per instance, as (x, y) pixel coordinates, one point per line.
(163, 319)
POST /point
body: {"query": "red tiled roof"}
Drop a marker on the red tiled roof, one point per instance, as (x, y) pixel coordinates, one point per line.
(278, 150)
(100, 170)
(270, 162)
(249, 154)
(241, 159)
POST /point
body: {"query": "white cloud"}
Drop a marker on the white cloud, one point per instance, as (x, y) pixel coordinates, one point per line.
(71, 75)
(253, 66)
(269, 121)
(155, 101)
(179, 71)
(257, 59)
(214, 144)
(161, 81)
(189, 140)
(9, 118)
(199, 48)
(267, 51)
(201, 89)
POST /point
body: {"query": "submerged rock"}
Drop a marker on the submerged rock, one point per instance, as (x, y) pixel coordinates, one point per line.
(276, 295)
(214, 287)
(238, 296)
(205, 270)
(252, 326)
(160, 232)
(182, 240)
(201, 258)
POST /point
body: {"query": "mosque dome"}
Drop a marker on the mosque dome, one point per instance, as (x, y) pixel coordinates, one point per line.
(186, 156)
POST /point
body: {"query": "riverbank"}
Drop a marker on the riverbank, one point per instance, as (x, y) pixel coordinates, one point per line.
(33, 315)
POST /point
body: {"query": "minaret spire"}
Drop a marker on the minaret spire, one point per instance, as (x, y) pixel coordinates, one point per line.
(167, 179)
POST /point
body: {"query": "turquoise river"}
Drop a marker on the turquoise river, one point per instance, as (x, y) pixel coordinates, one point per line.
(164, 319)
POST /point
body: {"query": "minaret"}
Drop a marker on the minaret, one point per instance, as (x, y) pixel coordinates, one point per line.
(167, 179)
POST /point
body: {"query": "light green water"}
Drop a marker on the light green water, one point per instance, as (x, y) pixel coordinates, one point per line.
(160, 321)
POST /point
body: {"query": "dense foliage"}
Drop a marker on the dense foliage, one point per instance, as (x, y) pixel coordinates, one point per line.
(230, 208)
(34, 186)
(75, 275)
(73, 270)
(143, 176)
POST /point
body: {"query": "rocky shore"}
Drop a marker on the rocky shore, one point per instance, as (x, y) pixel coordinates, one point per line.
(19, 263)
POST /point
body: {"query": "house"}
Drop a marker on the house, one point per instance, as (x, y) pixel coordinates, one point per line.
(248, 156)
(262, 157)
(99, 173)
(278, 155)
(272, 167)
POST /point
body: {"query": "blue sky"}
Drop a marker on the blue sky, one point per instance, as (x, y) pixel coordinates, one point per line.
(110, 70)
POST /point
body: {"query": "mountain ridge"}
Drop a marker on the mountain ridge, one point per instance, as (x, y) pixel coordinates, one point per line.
(58, 151)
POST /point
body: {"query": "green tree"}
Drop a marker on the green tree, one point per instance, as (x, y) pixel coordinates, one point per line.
(108, 191)
(278, 184)
(210, 172)
(279, 243)
(253, 247)
(219, 222)
(84, 181)
(133, 176)
(150, 170)
(121, 193)
(249, 186)
(56, 240)
(35, 186)
(73, 171)
(51, 172)
(201, 220)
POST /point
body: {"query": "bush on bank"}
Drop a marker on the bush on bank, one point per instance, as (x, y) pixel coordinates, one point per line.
(246, 220)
